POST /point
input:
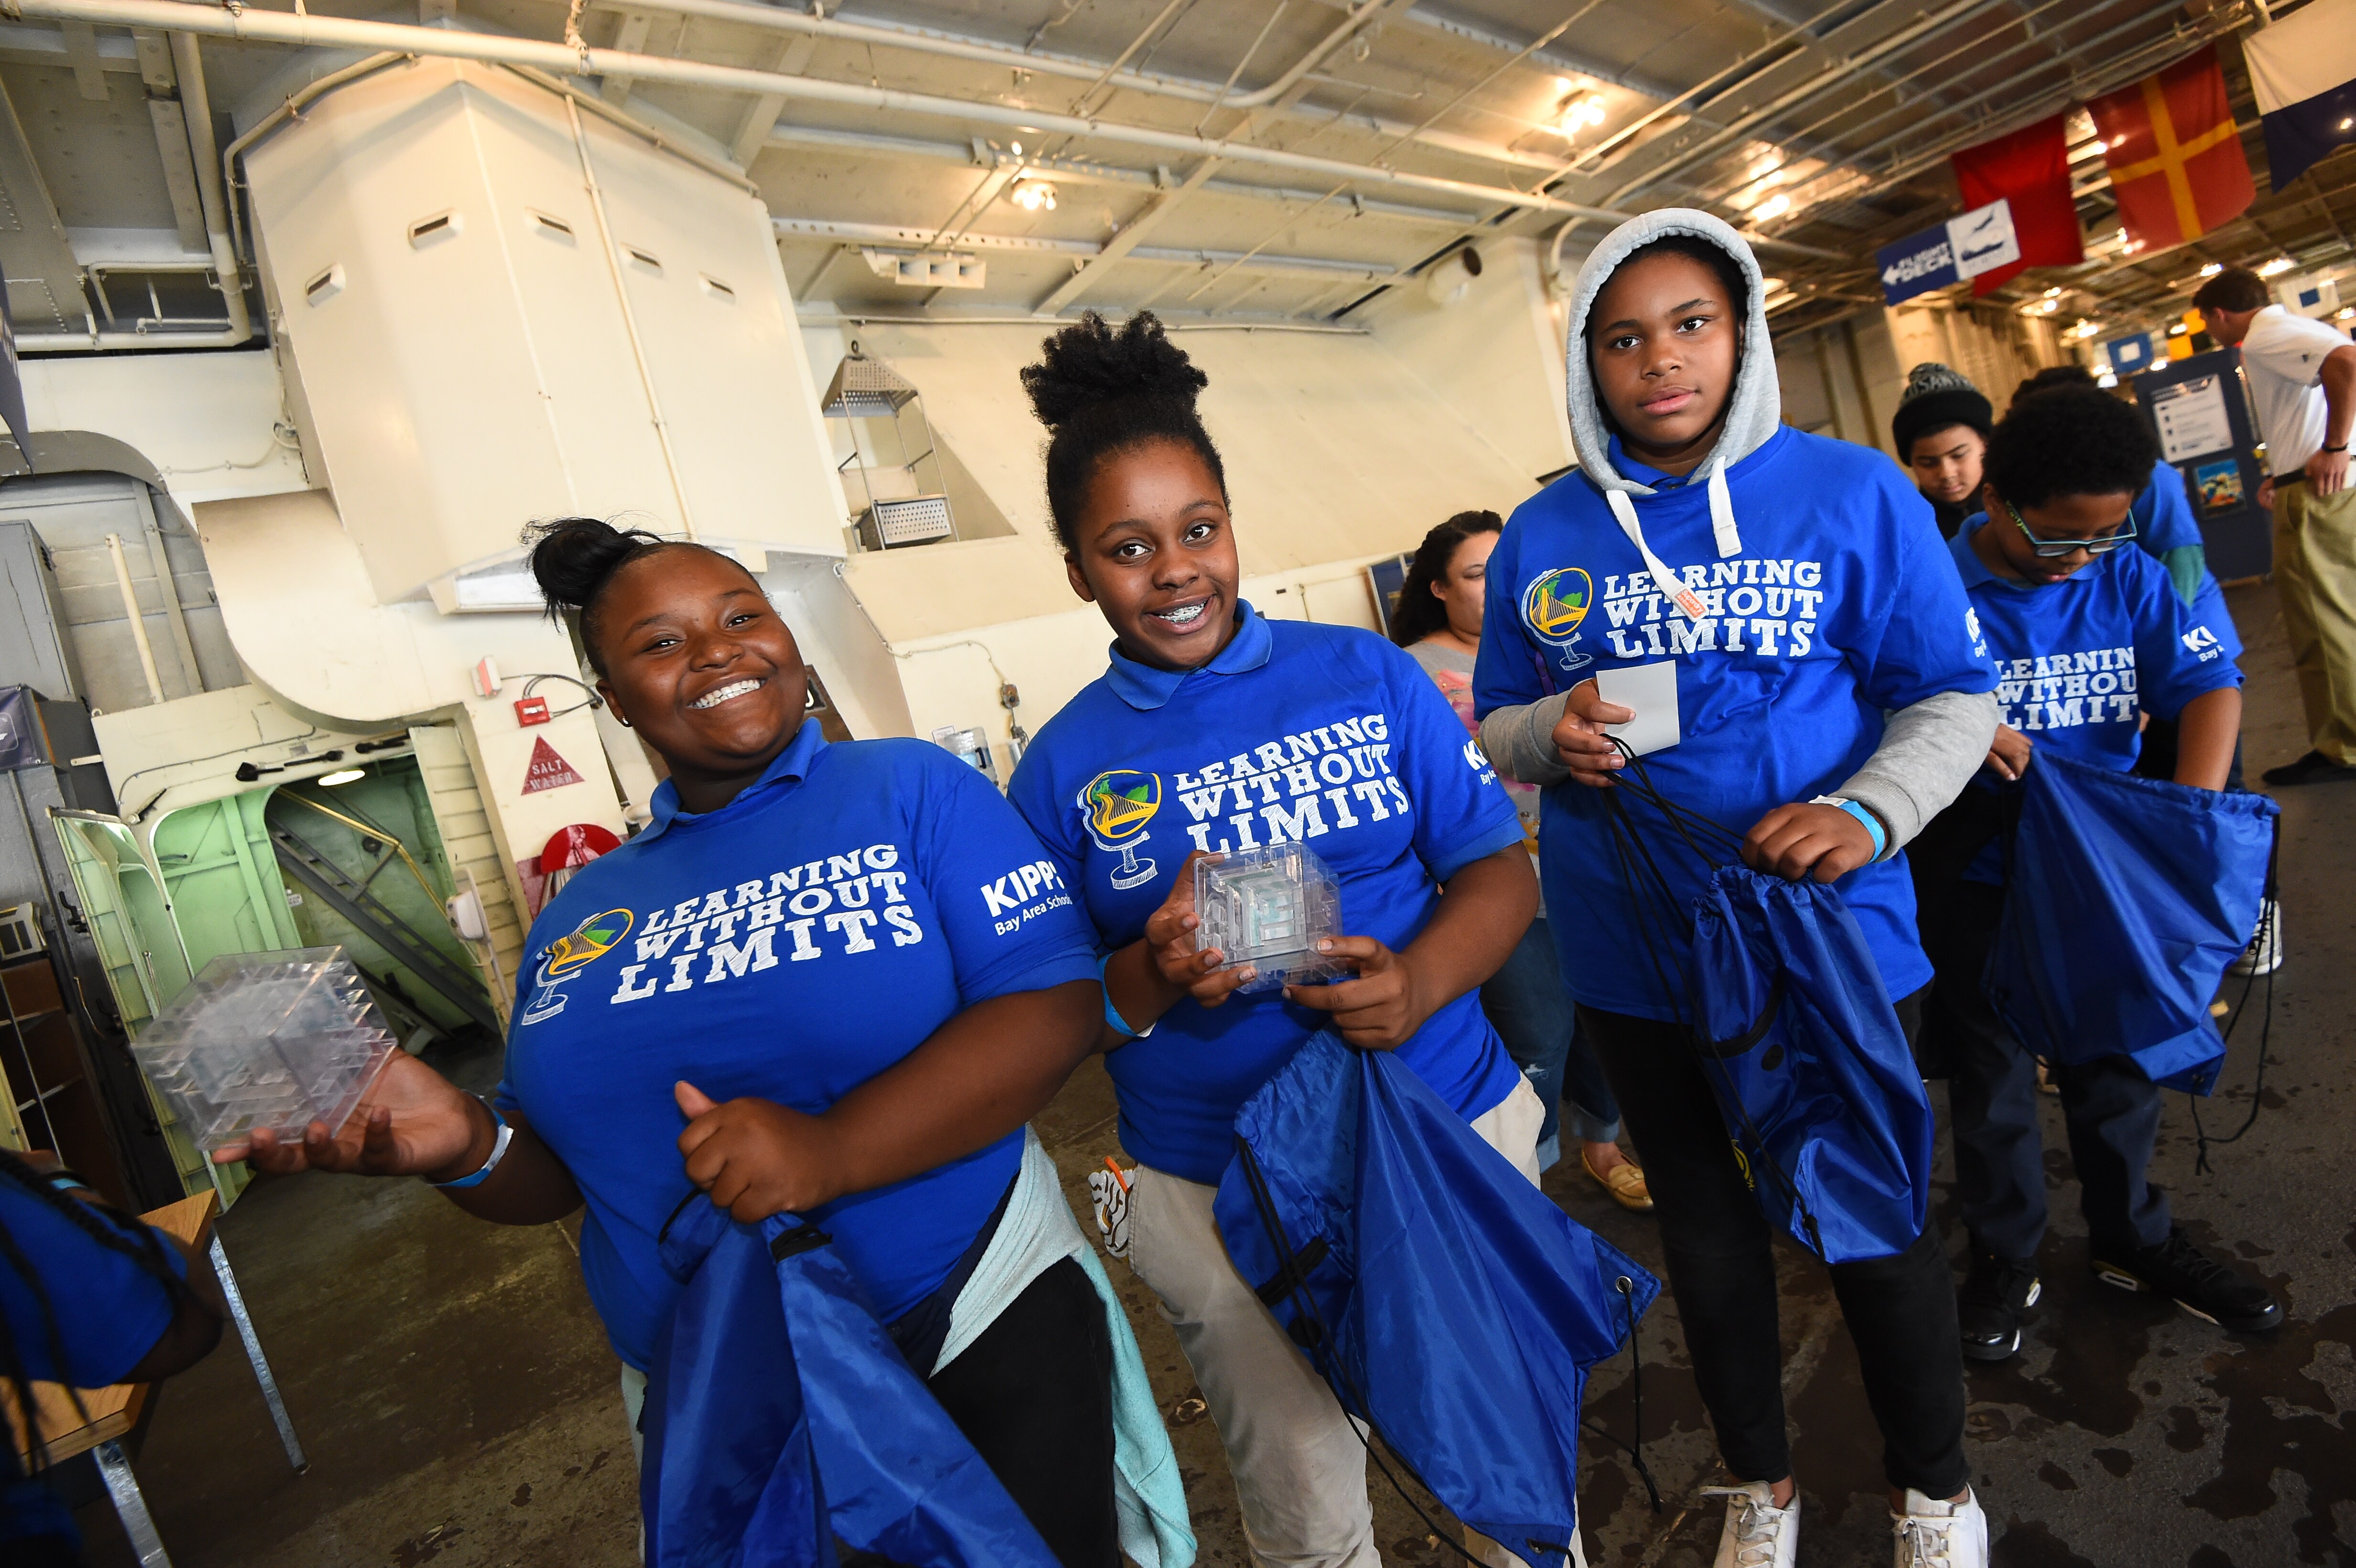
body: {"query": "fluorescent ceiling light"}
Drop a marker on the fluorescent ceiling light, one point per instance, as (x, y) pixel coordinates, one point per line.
(343, 775)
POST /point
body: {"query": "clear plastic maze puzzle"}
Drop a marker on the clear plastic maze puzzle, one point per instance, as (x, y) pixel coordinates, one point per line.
(267, 1039)
(1268, 908)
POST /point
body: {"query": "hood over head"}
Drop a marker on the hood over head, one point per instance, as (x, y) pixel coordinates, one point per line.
(1753, 411)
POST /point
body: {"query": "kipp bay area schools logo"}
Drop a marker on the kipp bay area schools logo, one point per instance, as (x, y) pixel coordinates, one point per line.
(1117, 804)
(583, 945)
(1554, 605)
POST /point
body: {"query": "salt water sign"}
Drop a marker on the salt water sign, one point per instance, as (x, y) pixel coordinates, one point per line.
(547, 769)
(1981, 241)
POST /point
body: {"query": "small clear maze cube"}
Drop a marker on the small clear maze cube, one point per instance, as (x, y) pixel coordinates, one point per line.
(1268, 908)
(266, 1040)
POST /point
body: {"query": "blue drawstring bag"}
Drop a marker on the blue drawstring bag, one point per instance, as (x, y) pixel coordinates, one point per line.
(781, 1416)
(1812, 1070)
(2126, 898)
(1447, 1300)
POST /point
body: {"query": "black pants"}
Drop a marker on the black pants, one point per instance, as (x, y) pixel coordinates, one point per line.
(1033, 1395)
(2111, 1109)
(1901, 1311)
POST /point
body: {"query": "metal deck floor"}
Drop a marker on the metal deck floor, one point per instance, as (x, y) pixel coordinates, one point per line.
(459, 1404)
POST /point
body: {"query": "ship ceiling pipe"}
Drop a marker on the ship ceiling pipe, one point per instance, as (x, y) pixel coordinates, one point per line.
(253, 25)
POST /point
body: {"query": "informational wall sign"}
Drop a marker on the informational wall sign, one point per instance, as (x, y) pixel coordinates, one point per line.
(2201, 414)
(1981, 241)
(547, 769)
(2191, 419)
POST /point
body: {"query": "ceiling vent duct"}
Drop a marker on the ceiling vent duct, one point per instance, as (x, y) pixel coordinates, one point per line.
(928, 269)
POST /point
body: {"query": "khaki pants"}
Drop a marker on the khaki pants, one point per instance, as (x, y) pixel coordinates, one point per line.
(1299, 1465)
(2315, 579)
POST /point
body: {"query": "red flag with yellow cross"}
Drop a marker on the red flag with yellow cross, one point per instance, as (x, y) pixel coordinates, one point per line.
(2174, 152)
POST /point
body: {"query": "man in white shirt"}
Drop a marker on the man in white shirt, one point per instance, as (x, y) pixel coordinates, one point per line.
(2302, 376)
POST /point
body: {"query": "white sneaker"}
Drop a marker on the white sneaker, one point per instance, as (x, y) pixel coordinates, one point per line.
(1758, 1534)
(2264, 955)
(1940, 1535)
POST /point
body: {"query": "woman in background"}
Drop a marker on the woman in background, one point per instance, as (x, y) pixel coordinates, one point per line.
(1438, 622)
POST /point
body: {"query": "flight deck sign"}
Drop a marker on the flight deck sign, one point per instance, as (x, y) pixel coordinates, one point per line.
(1981, 241)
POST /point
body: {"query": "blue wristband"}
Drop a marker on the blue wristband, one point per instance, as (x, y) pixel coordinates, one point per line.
(1872, 823)
(1113, 1020)
(498, 1152)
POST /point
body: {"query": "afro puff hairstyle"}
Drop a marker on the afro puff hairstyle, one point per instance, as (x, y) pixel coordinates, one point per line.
(1102, 389)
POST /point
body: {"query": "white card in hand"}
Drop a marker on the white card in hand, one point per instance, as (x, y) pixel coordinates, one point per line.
(1652, 691)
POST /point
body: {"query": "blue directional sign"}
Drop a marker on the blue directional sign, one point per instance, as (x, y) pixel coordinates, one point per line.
(1979, 241)
(1915, 265)
(2129, 355)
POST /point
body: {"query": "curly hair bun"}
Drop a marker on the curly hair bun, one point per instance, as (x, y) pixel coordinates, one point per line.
(1092, 362)
(573, 557)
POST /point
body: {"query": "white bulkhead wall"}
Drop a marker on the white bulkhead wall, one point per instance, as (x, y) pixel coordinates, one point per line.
(450, 382)
(466, 355)
(1341, 449)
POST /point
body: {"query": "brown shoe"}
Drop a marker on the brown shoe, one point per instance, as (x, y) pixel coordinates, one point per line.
(1625, 1182)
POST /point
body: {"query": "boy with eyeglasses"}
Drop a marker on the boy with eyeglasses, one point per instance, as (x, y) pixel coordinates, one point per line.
(2088, 637)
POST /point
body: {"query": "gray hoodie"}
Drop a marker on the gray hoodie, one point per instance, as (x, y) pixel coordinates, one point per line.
(1928, 751)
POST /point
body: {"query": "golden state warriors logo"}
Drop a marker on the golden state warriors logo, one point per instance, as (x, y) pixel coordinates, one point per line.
(1554, 605)
(1117, 804)
(583, 945)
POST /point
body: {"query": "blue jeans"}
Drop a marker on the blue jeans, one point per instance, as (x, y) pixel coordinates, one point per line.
(1532, 1012)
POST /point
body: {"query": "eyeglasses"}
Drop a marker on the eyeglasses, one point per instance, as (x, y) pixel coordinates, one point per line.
(2055, 550)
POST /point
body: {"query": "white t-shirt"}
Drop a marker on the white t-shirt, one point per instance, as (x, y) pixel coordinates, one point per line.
(2284, 355)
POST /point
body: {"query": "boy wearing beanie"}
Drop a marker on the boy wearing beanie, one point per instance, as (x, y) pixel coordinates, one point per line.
(1941, 428)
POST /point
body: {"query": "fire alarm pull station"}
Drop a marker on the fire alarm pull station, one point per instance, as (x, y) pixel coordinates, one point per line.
(531, 711)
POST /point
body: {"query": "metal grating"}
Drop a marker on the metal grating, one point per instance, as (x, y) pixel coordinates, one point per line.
(866, 389)
(920, 519)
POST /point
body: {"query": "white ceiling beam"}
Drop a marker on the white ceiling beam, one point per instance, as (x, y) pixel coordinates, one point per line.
(760, 116)
(1158, 207)
(82, 54)
(1282, 96)
(920, 236)
(171, 123)
(253, 23)
(1086, 172)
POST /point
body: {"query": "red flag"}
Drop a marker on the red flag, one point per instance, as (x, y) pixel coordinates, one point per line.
(2175, 155)
(2030, 169)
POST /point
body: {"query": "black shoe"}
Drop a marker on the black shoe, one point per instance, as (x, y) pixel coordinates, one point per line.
(2312, 768)
(1990, 1303)
(2202, 1286)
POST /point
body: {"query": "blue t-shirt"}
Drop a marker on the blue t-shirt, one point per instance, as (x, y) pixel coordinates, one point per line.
(108, 1311)
(2079, 662)
(1842, 605)
(1327, 735)
(789, 946)
(2164, 521)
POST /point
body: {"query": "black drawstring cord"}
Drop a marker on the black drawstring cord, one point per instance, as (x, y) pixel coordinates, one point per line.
(1630, 847)
(2270, 934)
(1636, 1451)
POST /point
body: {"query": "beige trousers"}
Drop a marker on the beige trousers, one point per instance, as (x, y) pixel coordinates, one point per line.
(1298, 1463)
(2314, 581)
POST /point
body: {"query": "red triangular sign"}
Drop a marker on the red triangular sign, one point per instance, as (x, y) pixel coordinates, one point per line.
(548, 771)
